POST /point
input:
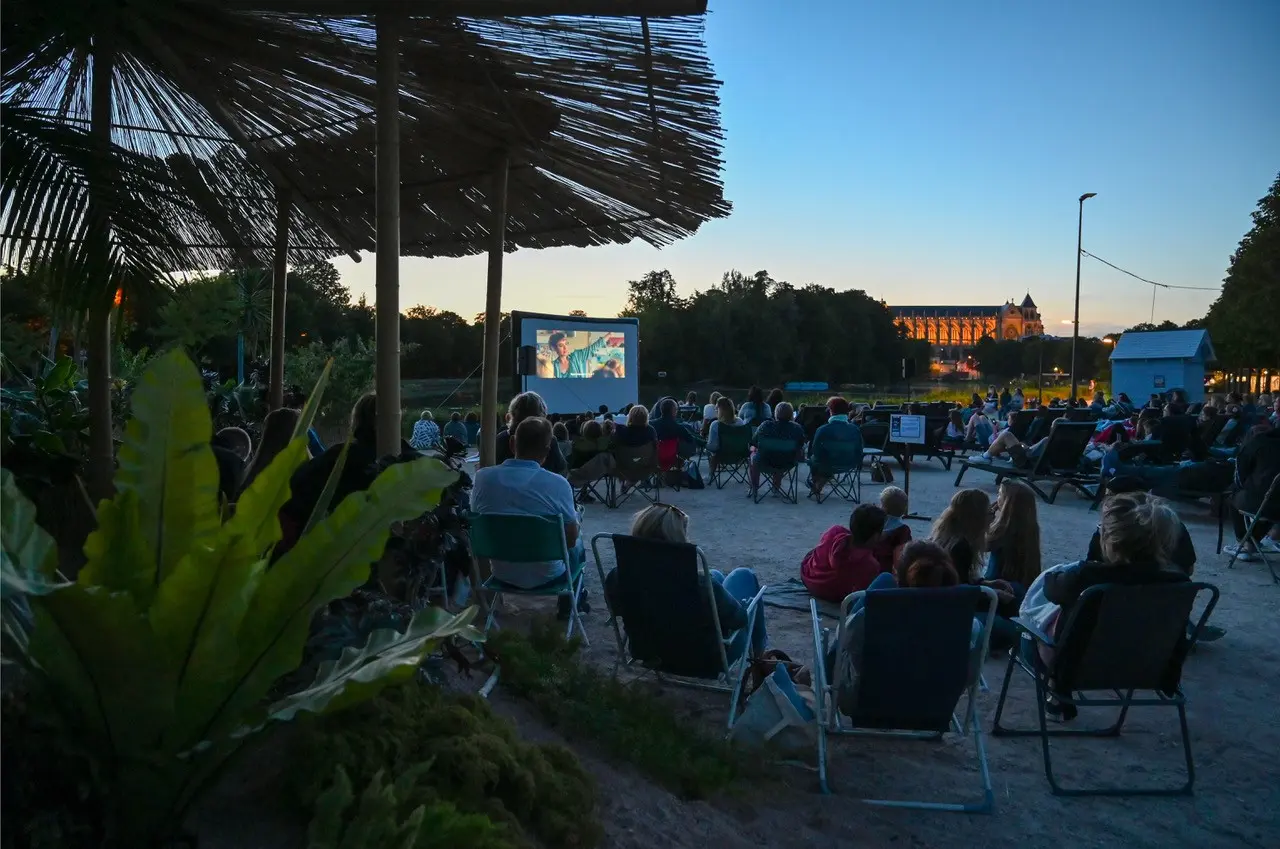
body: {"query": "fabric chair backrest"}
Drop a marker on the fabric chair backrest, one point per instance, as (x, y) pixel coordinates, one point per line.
(839, 455)
(669, 453)
(812, 417)
(1122, 637)
(776, 453)
(880, 414)
(1067, 444)
(930, 627)
(1020, 423)
(875, 434)
(735, 442)
(665, 607)
(518, 539)
(1082, 415)
(635, 462)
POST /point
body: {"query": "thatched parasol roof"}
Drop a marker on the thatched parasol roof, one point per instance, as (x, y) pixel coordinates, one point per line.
(611, 124)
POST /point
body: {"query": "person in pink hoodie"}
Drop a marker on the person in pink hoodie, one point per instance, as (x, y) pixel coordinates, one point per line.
(844, 561)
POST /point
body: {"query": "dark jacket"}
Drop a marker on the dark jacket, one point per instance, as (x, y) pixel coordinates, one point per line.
(633, 436)
(1256, 466)
(555, 461)
(670, 428)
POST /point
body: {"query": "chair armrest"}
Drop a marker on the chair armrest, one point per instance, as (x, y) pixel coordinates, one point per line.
(1033, 632)
(756, 600)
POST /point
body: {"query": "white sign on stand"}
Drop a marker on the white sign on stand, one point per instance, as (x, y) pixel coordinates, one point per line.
(907, 429)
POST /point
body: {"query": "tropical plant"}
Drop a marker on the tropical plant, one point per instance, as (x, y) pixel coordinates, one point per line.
(158, 660)
(350, 377)
(45, 426)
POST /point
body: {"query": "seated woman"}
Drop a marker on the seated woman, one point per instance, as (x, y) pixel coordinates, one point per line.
(709, 413)
(961, 529)
(725, 417)
(844, 560)
(455, 428)
(1137, 535)
(980, 430)
(1013, 555)
(954, 431)
(733, 592)
(781, 426)
(754, 410)
(837, 429)
(637, 431)
(1021, 454)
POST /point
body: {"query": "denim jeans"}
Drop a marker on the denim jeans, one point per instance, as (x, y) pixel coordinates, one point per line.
(1153, 476)
(743, 585)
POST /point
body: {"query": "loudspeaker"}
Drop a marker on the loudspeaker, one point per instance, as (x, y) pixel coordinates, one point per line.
(908, 368)
(527, 360)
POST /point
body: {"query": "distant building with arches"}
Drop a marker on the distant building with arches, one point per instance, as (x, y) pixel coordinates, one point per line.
(953, 331)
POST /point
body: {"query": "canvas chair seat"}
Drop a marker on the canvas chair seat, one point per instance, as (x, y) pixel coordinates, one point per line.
(776, 457)
(1117, 638)
(880, 695)
(840, 463)
(665, 619)
(636, 467)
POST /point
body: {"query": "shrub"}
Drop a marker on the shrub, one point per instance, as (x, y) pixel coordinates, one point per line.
(478, 763)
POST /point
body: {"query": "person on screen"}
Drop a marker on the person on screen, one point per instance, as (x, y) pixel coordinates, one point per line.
(566, 363)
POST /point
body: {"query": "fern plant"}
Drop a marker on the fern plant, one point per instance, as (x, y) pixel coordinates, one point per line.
(157, 661)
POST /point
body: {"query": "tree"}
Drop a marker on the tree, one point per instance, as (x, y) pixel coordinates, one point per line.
(1243, 335)
(578, 313)
(655, 289)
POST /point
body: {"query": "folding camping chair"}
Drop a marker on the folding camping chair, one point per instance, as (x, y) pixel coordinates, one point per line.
(670, 463)
(1058, 462)
(777, 457)
(1268, 511)
(586, 449)
(1117, 638)
(636, 468)
(670, 623)
(886, 697)
(528, 539)
(733, 454)
(840, 463)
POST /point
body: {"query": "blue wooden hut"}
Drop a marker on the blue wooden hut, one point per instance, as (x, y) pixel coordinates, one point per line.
(1158, 361)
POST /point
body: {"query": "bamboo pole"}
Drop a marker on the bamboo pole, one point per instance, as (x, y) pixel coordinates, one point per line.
(387, 263)
(279, 294)
(493, 316)
(101, 442)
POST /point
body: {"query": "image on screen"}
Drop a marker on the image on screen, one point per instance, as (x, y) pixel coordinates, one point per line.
(581, 353)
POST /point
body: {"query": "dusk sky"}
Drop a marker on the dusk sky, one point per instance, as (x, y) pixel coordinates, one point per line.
(932, 151)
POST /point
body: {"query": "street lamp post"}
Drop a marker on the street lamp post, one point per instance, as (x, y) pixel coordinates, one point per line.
(1075, 325)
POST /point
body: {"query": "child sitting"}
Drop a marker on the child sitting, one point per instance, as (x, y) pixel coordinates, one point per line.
(896, 534)
(844, 561)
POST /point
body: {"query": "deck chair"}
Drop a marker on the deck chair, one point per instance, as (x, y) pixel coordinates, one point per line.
(635, 471)
(1020, 422)
(841, 464)
(1058, 463)
(1117, 638)
(669, 621)
(1268, 512)
(528, 539)
(733, 455)
(915, 700)
(777, 457)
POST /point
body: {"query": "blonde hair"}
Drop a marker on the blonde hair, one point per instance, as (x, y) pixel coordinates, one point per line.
(714, 399)
(661, 521)
(638, 417)
(965, 518)
(1016, 531)
(427, 416)
(607, 427)
(1137, 529)
(725, 413)
(893, 500)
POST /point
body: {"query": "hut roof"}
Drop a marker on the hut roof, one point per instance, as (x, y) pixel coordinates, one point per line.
(611, 125)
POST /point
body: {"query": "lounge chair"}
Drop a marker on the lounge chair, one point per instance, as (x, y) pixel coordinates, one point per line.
(733, 455)
(635, 471)
(776, 457)
(915, 699)
(1115, 638)
(527, 539)
(1217, 500)
(670, 623)
(841, 464)
(1020, 423)
(1059, 463)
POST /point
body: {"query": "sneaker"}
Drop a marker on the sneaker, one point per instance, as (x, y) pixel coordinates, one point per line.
(1240, 551)
(1269, 545)
(1211, 634)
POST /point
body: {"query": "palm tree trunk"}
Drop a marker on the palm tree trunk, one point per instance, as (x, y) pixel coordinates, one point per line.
(101, 443)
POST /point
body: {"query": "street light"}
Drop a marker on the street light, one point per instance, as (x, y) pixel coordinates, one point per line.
(1075, 326)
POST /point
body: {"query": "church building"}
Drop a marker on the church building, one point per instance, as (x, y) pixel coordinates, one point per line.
(953, 331)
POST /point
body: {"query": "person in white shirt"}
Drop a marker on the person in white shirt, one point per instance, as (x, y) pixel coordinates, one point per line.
(521, 486)
(709, 411)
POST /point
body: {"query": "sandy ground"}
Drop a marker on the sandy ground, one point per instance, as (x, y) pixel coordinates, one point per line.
(1232, 687)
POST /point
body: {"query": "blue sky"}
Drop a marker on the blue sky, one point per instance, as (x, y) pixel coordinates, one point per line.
(931, 151)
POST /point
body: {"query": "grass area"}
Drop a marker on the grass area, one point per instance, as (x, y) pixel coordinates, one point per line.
(630, 723)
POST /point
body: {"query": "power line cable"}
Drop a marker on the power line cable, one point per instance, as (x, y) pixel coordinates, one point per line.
(1152, 283)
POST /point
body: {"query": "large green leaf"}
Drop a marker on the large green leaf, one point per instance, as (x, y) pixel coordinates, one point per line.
(313, 401)
(167, 461)
(321, 508)
(102, 659)
(388, 656)
(327, 563)
(30, 556)
(257, 517)
(119, 558)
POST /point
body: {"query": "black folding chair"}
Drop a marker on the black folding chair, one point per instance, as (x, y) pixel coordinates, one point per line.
(839, 464)
(883, 696)
(1118, 638)
(635, 472)
(1059, 462)
(732, 455)
(670, 623)
(777, 458)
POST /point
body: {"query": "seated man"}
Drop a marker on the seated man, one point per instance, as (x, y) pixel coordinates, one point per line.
(837, 429)
(669, 426)
(1257, 465)
(781, 426)
(521, 486)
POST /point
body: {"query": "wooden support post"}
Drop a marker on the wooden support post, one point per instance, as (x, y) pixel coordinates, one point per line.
(101, 436)
(279, 294)
(493, 315)
(387, 262)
